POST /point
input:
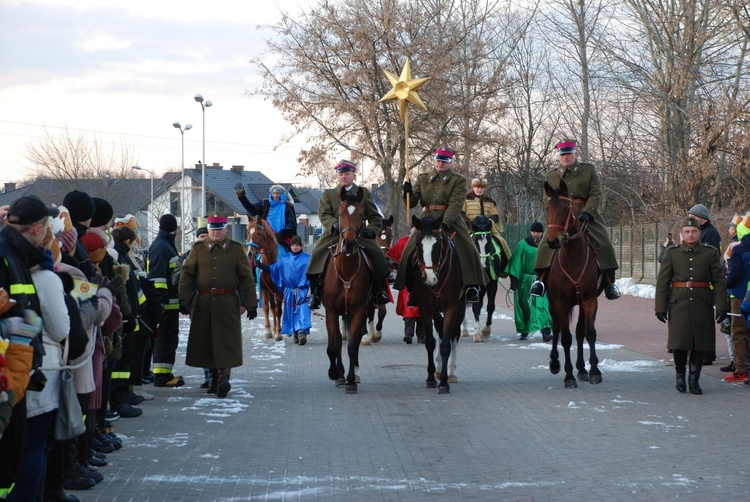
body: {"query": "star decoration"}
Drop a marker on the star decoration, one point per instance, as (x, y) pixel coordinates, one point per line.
(404, 90)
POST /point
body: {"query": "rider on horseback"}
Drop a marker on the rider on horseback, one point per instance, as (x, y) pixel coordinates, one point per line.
(328, 211)
(585, 188)
(441, 191)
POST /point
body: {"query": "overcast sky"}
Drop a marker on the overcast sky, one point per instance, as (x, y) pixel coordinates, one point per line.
(125, 71)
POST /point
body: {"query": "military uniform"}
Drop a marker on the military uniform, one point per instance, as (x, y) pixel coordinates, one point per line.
(443, 194)
(328, 211)
(585, 188)
(690, 281)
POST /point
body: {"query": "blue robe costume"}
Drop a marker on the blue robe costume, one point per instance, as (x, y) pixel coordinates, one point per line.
(288, 273)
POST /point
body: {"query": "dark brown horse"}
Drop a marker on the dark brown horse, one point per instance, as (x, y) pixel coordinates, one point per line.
(438, 292)
(347, 284)
(262, 245)
(573, 279)
(384, 239)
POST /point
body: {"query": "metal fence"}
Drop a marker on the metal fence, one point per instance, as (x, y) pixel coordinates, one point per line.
(636, 247)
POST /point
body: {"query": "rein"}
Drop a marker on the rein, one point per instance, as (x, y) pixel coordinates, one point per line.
(567, 237)
(570, 217)
(438, 267)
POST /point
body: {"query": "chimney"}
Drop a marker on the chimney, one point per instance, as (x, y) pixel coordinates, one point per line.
(238, 169)
(215, 165)
(9, 187)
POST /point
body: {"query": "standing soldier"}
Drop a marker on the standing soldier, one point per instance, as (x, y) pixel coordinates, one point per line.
(208, 293)
(691, 280)
(531, 313)
(330, 202)
(442, 192)
(585, 188)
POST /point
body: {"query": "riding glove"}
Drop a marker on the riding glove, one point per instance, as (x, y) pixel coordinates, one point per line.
(368, 234)
(407, 188)
(585, 217)
(662, 316)
(184, 307)
(252, 313)
(720, 316)
(513, 283)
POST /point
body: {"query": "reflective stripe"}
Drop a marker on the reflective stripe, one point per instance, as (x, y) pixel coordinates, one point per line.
(172, 306)
(5, 491)
(156, 370)
(160, 285)
(172, 264)
(22, 289)
(141, 297)
(137, 328)
(120, 375)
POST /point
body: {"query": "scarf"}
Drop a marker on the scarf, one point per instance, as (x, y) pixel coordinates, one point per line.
(277, 213)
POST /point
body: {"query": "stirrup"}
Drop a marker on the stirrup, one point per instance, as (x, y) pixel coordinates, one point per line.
(611, 292)
(537, 289)
(472, 294)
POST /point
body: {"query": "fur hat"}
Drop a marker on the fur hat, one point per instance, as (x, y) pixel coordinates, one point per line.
(476, 182)
(80, 205)
(168, 223)
(700, 211)
(126, 221)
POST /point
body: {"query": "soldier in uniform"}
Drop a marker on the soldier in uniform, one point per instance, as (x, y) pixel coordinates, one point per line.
(208, 293)
(585, 188)
(691, 280)
(442, 192)
(328, 211)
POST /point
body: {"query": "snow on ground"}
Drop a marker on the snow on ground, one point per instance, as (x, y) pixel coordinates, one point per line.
(628, 286)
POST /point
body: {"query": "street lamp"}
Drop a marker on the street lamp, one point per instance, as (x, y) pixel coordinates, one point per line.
(177, 125)
(151, 207)
(204, 104)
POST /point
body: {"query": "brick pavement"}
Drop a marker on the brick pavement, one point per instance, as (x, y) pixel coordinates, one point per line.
(507, 431)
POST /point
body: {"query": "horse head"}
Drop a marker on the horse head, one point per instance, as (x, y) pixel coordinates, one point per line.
(351, 220)
(562, 220)
(385, 235)
(482, 236)
(261, 240)
(431, 245)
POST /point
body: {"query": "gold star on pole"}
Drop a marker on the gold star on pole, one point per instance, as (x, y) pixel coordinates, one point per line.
(405, 90)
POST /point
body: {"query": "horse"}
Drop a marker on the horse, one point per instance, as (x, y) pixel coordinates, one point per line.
(385, 239)
(262, 244)
(573, 279)
(494, 258)
(347, 285)
(438, 293)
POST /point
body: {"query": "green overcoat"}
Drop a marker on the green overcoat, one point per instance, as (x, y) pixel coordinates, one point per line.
(215, 339)
(531, 312)
(328, 211)
(583, 183)
(691, 310)
(446, 188)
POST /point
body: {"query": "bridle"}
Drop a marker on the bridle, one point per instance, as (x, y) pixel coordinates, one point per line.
(570, 222)
(445, 253)
(383, 237)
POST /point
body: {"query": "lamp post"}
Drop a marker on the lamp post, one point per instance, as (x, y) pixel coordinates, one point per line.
(204, 104)
(187, 127)
(151, 207)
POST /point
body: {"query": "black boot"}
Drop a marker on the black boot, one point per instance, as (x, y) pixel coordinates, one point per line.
(382, 295)
(223, 387)
(680, 383)
(610, 291)
(538, 287)
(696, 363)
(546, 335)
(314, 302)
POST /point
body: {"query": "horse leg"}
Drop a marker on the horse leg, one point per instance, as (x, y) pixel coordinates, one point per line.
(429, 343)
(583, 375)
(377, 333)
(356, 326)
(465, 327)
(491, 294)
(335, 368)
(445, 355)
(452, 362)
(367, 337)
(476, 308)
(595, 375)
(567, 341)
(276, 308)
(266, 307)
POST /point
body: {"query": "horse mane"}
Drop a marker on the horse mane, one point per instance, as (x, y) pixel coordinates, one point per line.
(481, 224)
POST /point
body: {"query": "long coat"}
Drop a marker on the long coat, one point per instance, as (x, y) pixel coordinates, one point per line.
(446, 188)
(288, 273)
(531, 312)
(328, 212)
(691, 310)
(583, 183)
(215, 339)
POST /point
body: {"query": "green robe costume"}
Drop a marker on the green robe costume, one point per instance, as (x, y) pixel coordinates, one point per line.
(531, 312)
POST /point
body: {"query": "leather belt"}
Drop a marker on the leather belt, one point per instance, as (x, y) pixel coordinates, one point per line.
(435, 207)
(216, 291)
(691, 284)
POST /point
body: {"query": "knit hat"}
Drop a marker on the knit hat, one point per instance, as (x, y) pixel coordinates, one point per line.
(201, 231)
(536, 227)
(96, 244)
(168, 223)
(700, 211)
(103, 212)
(296, 240)
(80, 206)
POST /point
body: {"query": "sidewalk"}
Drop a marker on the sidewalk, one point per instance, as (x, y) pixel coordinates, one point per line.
(508, 430)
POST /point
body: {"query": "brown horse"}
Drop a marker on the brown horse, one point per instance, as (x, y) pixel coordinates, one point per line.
(262, 245)
(573, 279)
(438, 293)
(385, 239)
(347, 284)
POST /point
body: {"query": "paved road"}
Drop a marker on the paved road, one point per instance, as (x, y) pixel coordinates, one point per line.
(508, 430)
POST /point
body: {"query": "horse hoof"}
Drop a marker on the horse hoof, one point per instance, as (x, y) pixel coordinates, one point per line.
(595, 379)
(351, 389)
(431, 384)
(583, 377)
(554, 367)
(465, 333)
(478, 338)
(269, 335)
(365, 340)
(278, 337)
(444, 390)
(452, 379)
(486, 331)
(570, 384)
(340, 382)
(356, 379)
(376, 336)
